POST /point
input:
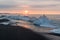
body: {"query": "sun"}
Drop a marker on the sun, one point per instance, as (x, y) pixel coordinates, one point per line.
(26, 11)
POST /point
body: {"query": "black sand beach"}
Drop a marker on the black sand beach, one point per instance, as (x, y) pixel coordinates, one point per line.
(8, 32)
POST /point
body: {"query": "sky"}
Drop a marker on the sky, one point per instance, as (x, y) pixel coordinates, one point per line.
(32, 6)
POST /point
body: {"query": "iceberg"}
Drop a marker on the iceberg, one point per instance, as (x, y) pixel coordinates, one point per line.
(5, 23)
(55, 31)
(48, 25)
(16, 17)
(43, 21)
(25, 18)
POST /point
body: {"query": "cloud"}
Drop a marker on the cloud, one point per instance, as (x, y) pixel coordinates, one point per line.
(30, 4)
(44, 0)
(7, 4)
(44, 4)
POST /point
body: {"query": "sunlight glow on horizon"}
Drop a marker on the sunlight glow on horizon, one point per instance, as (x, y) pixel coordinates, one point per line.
(27, 12)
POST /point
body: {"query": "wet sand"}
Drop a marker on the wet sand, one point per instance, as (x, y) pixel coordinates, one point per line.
(21, 33)
(39, 30)
(51, 37)
(32, 27)
(8, 32)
